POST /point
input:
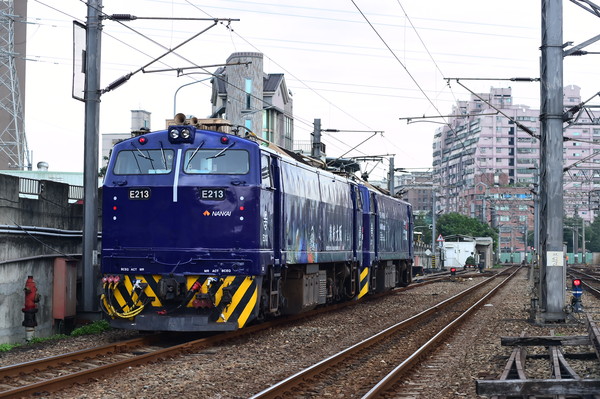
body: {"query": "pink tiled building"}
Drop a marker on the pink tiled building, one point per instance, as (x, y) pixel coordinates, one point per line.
(486, 164)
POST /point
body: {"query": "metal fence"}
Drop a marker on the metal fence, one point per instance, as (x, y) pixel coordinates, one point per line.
(32, 188)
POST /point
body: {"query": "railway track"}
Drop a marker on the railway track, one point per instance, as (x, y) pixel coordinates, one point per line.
(374, 365)
(590, 279)
(58, 372)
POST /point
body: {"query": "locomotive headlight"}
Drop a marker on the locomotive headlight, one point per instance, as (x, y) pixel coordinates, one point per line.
(181, 134)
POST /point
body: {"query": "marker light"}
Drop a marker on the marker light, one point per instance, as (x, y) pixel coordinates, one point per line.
(224, 140)
(142, 140)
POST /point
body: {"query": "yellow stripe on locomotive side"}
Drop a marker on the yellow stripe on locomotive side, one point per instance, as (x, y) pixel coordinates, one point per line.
(238, 302)
(117, 294)
(132, 296)
(364, 282)
(118, 297)
(189, 282)
(227, 281)
(149, 291)
(249, 308)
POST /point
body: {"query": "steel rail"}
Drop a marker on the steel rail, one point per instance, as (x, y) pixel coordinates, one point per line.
(389, 380)
(65, 360)
(279, 389)
(71, 357)
(585, 281)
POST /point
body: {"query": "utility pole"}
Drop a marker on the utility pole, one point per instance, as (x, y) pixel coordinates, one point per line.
(583, 257)
(552, 267)
(391, 178)
(316, 140)
(433, 230)
(90, 169)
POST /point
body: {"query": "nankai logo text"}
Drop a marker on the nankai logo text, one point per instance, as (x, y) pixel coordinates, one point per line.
(217, 213)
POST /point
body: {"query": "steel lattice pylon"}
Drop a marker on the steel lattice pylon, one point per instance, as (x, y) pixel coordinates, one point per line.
(13, 143)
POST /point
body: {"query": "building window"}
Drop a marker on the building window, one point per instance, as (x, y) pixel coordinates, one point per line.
(288, 132)
(248, 90)
(268, 131)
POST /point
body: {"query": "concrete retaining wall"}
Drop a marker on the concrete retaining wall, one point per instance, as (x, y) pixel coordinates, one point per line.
(36, 226)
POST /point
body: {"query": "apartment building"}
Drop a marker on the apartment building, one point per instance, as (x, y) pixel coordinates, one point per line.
(486, 163)
(417, 188)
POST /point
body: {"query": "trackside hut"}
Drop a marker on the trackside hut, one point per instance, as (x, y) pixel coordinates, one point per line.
(458, 248)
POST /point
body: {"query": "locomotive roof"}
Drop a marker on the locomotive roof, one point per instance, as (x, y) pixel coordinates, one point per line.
(224, 126)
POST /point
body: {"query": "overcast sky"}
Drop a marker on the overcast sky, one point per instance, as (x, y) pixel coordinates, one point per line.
(356, 65)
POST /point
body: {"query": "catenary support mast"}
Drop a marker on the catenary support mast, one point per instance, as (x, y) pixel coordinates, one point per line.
(90, 167)
(552, 267)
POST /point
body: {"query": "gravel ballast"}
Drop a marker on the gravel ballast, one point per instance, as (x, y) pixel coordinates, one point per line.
(241, 368)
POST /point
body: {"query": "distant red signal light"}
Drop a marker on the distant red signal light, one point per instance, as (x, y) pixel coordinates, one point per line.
(576, 282)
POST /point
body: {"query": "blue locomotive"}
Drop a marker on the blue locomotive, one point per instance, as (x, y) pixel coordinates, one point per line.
(203, 230)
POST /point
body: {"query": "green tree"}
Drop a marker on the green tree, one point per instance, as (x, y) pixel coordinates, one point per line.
(454, 223)
(592, 234)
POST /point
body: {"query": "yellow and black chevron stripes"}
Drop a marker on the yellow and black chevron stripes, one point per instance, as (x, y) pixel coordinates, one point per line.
(243, 302)
(363, 285)
(242, 294)
(126, 296)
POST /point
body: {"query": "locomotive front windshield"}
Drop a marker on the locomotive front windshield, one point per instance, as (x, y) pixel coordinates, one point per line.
(144, 162)
(216, 161)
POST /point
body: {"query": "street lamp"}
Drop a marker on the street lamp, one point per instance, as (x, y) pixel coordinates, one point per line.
(181, 87)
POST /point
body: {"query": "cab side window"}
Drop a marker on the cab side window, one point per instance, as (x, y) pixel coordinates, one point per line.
(265, 171)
